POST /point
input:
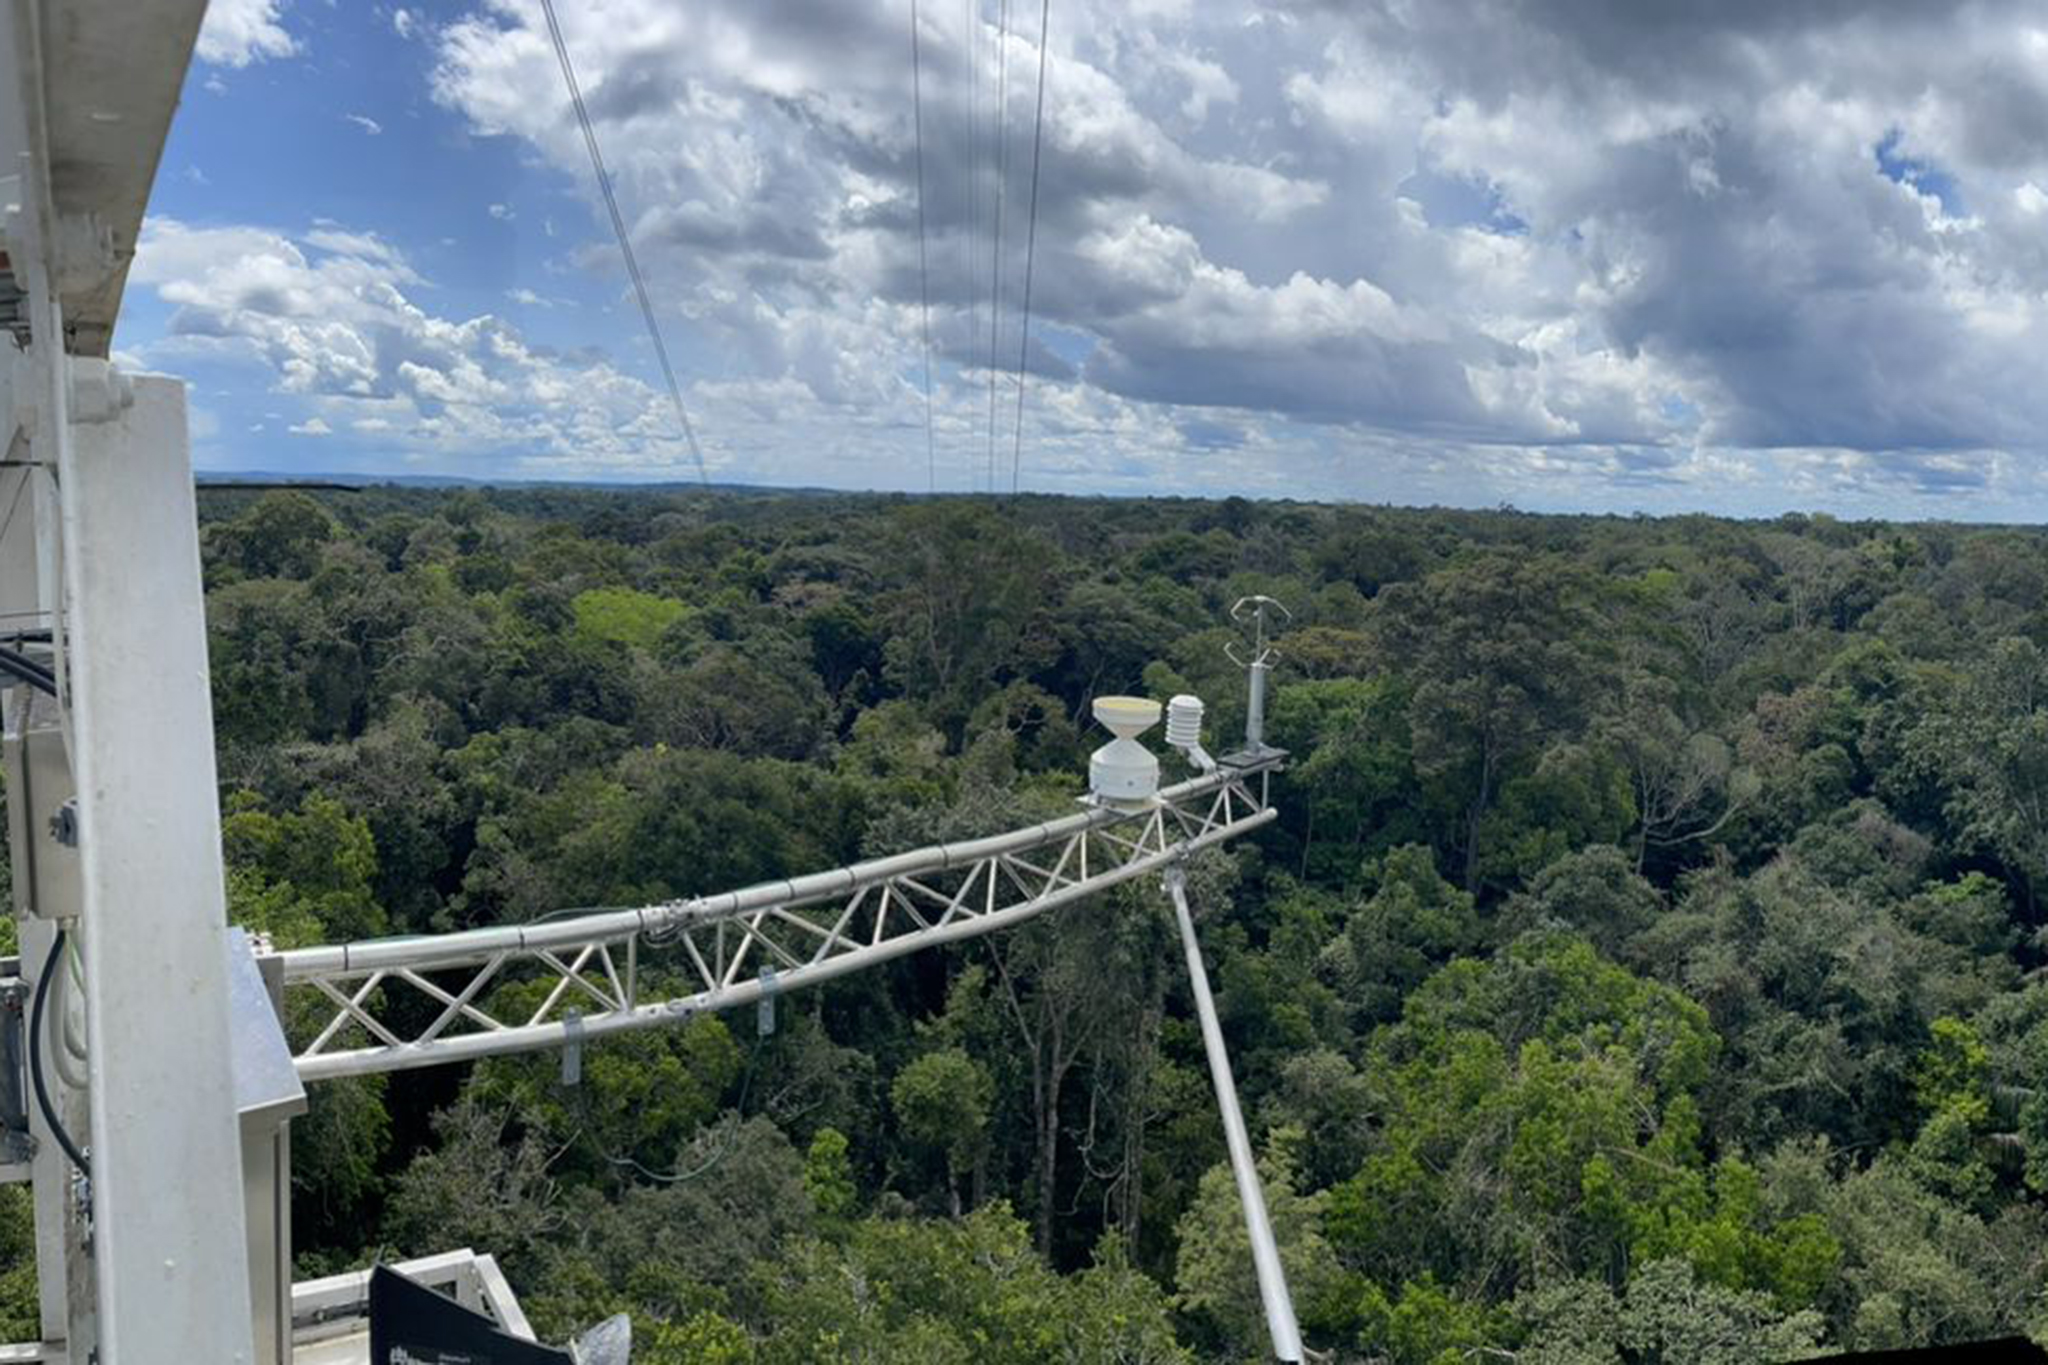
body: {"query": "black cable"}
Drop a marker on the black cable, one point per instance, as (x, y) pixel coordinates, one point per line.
(995, 262)
(730, 1137)
(28, 670)
(970, 39)
(1030, 245)
(51, 966)
(206, 485)
(611, 203)
(924, 284)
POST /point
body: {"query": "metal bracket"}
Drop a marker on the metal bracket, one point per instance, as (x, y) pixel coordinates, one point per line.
(99, 391)
(64, 823)
(764, 1011)
(572, 1048)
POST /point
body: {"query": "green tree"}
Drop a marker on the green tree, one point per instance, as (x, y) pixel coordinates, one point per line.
(1595, 893)
(1503, 655)
(625, 616)
(641, 1095)
(1413, 923)
(1352, 787)
(483, 1185)
(828, 1175)
(968, 608)
(1665, 1316)
(955, 1290)
(1214, 1276)
(280, 536)
(942, 1104)
(1987, 745)
(319, 861)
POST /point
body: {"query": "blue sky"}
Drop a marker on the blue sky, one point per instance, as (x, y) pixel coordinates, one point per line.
(1739, 257)
(342, 134)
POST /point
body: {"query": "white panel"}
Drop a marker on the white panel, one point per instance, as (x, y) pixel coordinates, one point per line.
(19, 605)
(171, 1255)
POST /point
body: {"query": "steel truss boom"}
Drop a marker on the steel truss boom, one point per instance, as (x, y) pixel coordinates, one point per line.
(395, 1004)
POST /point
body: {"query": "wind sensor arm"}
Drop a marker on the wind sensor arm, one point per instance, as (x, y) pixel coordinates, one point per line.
(741, 946)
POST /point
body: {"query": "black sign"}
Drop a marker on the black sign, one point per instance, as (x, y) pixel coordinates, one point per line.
(412, 1325)
(2005, 1351)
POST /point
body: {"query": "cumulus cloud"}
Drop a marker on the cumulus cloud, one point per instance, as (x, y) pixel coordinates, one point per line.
(238, 33)
(366, 123)
(1607, 251)
(331, 315)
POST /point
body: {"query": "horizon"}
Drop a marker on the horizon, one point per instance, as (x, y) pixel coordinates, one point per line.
(265, 480)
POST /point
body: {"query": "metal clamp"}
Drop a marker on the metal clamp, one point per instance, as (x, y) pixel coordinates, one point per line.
(764, 1012)
(572, 1047)
(64, 823)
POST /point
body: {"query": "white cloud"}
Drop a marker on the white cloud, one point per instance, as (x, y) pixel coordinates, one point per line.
(366, 123)
(240, 32)
(1534, 250)
(330, 314)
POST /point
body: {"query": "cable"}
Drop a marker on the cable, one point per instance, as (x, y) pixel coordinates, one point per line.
(206, 485)
(970, 37)
(1030, 244)
(27, 670)
(995, 263)
(35, 1059)
(611, 203)
(924, 280)
(70, 1034)
(738, 1115)
(68, 1059)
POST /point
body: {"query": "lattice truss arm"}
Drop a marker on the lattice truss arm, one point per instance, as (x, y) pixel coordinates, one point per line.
(392, 1004)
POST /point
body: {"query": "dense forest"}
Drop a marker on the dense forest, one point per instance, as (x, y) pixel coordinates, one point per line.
(1646, 965)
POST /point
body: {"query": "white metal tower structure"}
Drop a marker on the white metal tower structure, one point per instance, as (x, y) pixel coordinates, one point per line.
(148, 1081)
(114, 820)
(146, 1259)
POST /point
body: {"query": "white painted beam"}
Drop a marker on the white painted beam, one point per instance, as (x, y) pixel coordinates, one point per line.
(171, 1257)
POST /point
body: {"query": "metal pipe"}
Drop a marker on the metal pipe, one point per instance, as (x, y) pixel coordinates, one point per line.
(1265, 1252)
(1255, 707)
(529, 1037)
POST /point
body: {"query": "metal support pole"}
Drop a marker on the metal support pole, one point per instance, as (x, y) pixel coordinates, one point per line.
(1255, 707)
(170, 1254)
(1265, 1252)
